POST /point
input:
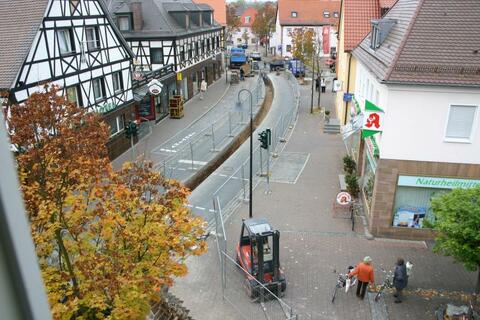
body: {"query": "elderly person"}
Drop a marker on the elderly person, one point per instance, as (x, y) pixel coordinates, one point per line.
(400, 279)
(364, 273)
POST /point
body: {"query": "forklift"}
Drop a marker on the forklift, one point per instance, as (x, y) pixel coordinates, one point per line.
(258, 254)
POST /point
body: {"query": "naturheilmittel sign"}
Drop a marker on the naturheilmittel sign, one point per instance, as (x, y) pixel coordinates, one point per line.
(435, 182)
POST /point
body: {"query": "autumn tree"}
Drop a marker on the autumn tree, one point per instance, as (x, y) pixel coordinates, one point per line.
(106, 241)
(264, 23)
(303, 44)
(233, 20)
(457, 222)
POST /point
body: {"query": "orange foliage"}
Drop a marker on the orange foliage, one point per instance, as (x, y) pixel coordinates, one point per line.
(106, 241)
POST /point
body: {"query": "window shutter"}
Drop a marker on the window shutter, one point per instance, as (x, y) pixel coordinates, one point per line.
(460, 122)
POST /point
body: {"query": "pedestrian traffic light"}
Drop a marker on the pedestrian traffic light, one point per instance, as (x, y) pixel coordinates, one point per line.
(265, 138)
(131, 129)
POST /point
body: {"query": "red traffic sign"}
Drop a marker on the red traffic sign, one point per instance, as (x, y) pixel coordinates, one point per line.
(344, 198)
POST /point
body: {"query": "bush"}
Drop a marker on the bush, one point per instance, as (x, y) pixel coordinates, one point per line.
(352, 184)
(349, 165)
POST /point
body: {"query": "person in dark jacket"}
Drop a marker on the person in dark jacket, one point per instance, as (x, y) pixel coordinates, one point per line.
(400, 279)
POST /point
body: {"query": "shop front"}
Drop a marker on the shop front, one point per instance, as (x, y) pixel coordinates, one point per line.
(367, 182)
(414, 196)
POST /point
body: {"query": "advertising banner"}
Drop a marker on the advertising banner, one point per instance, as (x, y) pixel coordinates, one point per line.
(326, 39)
(409, 217)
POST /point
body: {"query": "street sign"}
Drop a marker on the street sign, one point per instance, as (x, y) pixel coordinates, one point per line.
(347, 97)
(344, 198)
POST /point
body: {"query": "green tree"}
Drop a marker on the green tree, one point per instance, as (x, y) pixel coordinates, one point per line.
(303, 44)
(457, 221)
(233, 20)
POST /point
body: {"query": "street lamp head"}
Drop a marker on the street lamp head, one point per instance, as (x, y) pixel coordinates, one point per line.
(239, 106)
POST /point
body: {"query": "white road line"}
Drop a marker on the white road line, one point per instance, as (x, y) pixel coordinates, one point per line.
(211, 210)
(167, 150)
(199, 208)
(199, 163)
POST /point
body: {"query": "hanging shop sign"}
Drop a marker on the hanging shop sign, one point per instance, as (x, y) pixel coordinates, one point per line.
(155, 87)
(344, 198)
(373, 120)
(347, 97)
(179, 76)
(107, 107)
(436, 182)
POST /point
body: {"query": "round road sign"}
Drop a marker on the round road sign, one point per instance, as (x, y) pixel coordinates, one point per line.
(344, 198)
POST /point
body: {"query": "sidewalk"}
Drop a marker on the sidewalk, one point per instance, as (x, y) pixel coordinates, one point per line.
(314, 244)
(167, 127)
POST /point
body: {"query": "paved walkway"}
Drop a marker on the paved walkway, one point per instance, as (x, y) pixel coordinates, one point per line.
(314, 245)
(167, 127)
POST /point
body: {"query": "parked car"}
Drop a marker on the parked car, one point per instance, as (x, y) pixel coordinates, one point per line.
(277, 65)
(244, 46)
(256, 56)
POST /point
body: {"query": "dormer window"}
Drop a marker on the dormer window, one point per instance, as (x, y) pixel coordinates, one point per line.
(336, 14)
(326, 14)
(294, 14)
(124, 22)
(380, 31)
(247, 19)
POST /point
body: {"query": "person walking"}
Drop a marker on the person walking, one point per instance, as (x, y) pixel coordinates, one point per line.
(364, 273)
(400, 279)
(323, 85)
(317, 84)
(203, 88)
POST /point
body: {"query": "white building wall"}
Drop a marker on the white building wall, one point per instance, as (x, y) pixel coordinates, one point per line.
(416, 120)
(237, 36)
(282, 35)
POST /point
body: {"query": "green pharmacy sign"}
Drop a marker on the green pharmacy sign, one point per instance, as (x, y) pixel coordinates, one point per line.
(372, 120)
(107, 107)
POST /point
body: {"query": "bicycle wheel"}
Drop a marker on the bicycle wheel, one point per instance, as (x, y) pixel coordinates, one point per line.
(377, 296)
(334, 293)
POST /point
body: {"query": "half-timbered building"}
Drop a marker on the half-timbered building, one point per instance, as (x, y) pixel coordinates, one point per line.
(74, 44)
(180, 33)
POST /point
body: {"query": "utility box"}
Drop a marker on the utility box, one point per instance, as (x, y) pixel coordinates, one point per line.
(176, 107)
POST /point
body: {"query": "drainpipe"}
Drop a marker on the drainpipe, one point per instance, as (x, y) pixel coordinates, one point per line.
(348, 87)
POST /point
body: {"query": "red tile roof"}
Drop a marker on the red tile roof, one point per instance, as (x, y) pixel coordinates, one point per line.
(250, 12)
(219, 10)
(309, 12)
(356, 20)
(387, 3)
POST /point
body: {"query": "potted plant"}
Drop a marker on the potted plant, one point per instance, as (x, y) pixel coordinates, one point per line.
(327, 116)
(349, 165)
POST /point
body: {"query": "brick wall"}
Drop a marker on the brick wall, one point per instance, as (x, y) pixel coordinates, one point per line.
(381, 214)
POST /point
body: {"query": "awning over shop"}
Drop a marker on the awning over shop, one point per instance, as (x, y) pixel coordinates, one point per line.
(140, 92)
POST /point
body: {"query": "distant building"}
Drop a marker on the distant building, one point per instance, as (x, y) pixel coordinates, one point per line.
(244, 34)
(429, 91)
(75, 45)
(320, 15)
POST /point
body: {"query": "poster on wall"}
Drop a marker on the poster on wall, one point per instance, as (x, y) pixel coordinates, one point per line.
(409, 217)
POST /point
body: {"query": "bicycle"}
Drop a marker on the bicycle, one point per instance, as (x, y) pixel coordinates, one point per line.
(387, 283)
(343, 281)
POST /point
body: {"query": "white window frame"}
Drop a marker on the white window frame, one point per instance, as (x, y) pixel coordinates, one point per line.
(99, 81)
(129, 24)
(294, 14)
(77, 95)
(68, 41)
(93, 44)
(120, 125)
(472, 129)
(117, 75)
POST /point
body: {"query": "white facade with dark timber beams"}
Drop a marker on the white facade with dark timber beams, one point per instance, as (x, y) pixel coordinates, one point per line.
(179, 33)
(75, 45)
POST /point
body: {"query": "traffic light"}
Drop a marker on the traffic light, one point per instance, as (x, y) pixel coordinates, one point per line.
(265, 138)
(131, 129)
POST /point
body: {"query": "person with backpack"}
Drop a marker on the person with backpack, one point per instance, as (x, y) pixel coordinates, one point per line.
(400, 279)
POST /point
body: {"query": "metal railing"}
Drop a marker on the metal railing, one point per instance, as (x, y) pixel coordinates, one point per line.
(200, 148)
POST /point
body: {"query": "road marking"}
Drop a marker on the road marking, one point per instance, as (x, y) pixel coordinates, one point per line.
(167, 150)
(199, 163)
(211, 210)
(199, 208)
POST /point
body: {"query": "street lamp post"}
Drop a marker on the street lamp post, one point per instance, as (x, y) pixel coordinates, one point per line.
(239, 105)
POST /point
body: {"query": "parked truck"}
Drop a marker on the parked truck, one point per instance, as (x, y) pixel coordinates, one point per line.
(237, 58)
(297, 68)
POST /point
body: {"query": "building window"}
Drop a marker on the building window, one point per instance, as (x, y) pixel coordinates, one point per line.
(247, 19)
(73, 95)
(460, 123)
(196, 48)
(74, 6)
(116, 124)
(375, 38)
(123, 23)
(289, 30)
(117, 81)
(65, 41)
(254, 40)
(326, 14)
(190, 51)
(203, 46)
(93, 38)
(208, 44)
(98, 89)
(218, 42)
(289, 48)
(336, 14)
(156, 55)
(182, 53)
(294, 14)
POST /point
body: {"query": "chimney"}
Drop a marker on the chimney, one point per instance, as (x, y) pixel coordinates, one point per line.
(136, 8)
